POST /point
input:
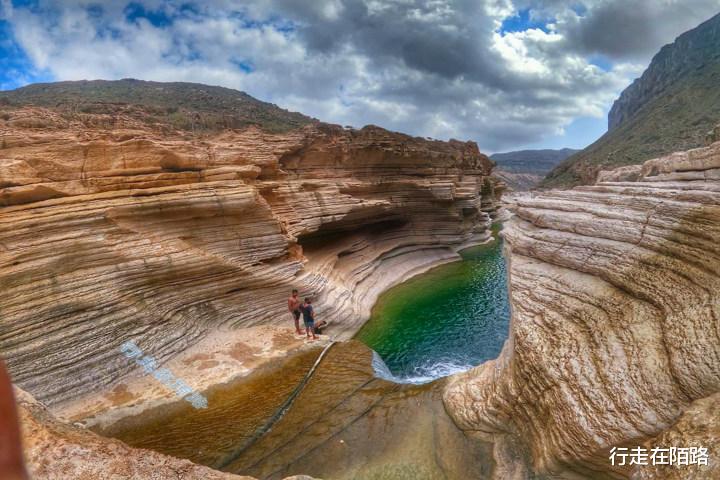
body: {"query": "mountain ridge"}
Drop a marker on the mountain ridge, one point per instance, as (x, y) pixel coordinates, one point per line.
(522, 170)
(666, 67)
(671, 107)
(531, 160)
(180, 105)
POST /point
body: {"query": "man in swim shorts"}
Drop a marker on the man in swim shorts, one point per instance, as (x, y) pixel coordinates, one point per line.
(309, 318)
(294, 308)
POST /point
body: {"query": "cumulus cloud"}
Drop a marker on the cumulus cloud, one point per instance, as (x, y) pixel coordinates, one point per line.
(633, 30)
(437, 68)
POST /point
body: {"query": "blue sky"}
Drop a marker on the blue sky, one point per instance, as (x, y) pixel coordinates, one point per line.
(509, 74)
(522, 20)
(16, 69)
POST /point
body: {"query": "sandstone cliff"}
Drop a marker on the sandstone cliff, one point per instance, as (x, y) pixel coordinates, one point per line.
(615, 329)
(131, 232)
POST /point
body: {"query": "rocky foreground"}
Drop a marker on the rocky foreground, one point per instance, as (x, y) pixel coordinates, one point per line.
(56, 450)
(615, 330)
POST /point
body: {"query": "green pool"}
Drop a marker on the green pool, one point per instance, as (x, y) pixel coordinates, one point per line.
(446, 320)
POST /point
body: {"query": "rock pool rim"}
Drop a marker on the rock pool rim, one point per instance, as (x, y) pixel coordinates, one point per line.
(443, 369)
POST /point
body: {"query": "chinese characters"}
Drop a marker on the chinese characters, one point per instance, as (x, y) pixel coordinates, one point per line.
(679, 456)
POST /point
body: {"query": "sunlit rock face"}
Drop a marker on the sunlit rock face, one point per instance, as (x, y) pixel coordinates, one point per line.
(615, 330)
(109, 234)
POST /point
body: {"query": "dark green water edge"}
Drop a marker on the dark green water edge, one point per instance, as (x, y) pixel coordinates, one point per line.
(444, 321)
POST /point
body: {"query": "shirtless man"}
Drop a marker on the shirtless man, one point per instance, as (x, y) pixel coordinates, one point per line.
(294, 308)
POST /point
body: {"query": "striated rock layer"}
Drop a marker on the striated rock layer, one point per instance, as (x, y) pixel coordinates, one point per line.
(110, 235)
(615, 329)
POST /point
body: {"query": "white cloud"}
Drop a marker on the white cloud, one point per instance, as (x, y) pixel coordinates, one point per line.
(435, 68)
(6, 10)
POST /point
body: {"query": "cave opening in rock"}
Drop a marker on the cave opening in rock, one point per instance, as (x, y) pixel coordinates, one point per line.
(444, 321)
(330, 235)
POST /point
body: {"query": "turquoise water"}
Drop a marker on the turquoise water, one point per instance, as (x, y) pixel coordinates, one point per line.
(449, 319)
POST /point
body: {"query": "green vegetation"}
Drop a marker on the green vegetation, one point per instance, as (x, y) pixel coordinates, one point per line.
(184, 106)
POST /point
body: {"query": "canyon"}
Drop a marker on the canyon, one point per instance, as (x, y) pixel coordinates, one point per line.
(188, 245)
(120, 235)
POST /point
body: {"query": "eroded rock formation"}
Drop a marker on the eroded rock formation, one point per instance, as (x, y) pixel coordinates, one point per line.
(615, 329)
(113, 234)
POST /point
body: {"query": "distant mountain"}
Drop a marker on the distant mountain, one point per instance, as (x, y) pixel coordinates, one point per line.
(531, 161)
(524, 169)
(670, 107)
(186, 106)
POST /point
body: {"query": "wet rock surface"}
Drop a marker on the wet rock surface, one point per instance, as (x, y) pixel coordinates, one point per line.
(344, 424)
(55, 450)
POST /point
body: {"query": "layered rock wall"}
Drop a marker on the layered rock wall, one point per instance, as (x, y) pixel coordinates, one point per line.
(108, 235)
(615, 329)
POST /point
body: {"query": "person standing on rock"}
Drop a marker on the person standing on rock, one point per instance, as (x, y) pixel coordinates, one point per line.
(294, 308)
(309, 318)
